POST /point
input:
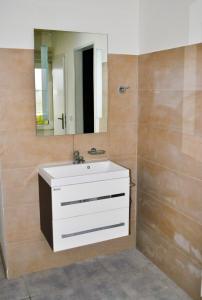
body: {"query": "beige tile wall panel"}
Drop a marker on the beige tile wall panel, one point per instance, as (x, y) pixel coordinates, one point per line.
(21, 152)
(181, 192)
(182, 269)
(170, 163)
(185, 233)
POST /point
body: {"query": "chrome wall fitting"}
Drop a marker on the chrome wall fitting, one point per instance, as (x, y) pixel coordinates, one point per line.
(123, 89)
(94, 151)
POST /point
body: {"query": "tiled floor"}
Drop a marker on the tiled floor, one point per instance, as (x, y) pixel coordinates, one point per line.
(127, 275)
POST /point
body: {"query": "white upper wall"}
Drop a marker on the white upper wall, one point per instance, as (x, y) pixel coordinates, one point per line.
(133, 26)
(117, 18)
(166, 24)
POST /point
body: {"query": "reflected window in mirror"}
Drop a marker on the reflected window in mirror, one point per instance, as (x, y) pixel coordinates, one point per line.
(71, 82)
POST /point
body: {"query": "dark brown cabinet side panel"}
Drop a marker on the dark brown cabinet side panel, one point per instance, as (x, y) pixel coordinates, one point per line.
(45, 203)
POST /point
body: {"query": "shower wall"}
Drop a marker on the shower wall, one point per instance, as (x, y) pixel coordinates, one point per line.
(170, 163)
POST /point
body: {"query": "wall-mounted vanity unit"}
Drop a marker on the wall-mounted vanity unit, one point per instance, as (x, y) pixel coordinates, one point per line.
(83, 204)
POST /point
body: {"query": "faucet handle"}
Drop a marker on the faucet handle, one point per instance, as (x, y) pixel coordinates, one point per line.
(82, 160)
(76, 153)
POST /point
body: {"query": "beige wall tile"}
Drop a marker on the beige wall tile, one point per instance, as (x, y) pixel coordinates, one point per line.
(22, 223)
(84, 142)
(20, 186)
(180, 110)
(32, 256)
(182, 231)
(193, 67)
(128, 161)
(21, 152)
(123, 139)
(163, 108)
(162, 70)
(17, 111)
(183, 270)
(123, 70)
(133, 212)
(170, 164)
(173, 149)
(123, 109)
(176, 69)
(22, 148)
(183, 193)
(16, 67)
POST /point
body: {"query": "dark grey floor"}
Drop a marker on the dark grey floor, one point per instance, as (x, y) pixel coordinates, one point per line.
(127, 275)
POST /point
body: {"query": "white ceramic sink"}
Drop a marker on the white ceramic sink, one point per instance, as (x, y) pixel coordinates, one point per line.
(59, 175)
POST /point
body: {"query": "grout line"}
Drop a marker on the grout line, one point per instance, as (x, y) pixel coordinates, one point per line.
(168, 128)
(26, 287)
(146, 227)
(171, 170)
(155, 197)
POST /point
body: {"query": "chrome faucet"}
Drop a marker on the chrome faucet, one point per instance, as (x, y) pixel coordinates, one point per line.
(78, 159)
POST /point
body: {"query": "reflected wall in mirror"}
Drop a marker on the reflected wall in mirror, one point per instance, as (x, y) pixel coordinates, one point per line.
(71, 84)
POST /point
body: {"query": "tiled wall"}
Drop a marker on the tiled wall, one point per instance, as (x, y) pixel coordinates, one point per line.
(21, 152)
(170, 163)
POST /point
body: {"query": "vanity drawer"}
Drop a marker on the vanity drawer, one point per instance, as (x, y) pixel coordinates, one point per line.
(88, 198)
(89, 229)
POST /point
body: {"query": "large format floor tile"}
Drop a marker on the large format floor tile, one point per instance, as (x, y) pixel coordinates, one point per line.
(124, 276)
(47, 282)
(13, 289)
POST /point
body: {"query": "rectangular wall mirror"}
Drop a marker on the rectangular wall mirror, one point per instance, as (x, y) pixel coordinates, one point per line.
(71, 83)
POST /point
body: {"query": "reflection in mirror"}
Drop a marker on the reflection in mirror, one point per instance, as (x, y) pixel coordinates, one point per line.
(70, 82)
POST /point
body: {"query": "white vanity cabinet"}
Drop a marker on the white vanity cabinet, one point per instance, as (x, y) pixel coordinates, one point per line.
(79, 214)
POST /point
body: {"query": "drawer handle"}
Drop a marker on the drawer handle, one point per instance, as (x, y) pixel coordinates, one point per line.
(92, 199)
(64, 236)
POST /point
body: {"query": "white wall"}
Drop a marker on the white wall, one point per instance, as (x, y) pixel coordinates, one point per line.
(118, 18)
(134, 26)
(166, 24)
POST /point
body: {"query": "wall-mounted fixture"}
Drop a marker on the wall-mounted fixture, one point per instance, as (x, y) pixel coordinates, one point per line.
(83, 204)
(123, 89)
(77, 158)
(70, 82)
(94, 151)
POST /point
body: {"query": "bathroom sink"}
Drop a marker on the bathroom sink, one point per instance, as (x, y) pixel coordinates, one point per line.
(65, 174)
(83, 204)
